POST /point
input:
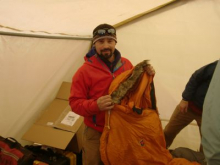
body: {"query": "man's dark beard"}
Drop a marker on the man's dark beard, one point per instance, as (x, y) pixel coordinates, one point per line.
(106, 55)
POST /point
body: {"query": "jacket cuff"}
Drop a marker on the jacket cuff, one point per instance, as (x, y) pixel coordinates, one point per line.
(94, 107)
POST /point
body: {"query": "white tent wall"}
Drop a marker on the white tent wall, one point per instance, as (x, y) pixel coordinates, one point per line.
(32, 70)
(178, 39)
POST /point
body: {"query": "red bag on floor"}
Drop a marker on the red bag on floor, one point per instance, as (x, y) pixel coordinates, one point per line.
(13, 153)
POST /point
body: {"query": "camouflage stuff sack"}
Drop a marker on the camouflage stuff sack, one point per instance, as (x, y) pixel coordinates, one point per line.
(189, 154)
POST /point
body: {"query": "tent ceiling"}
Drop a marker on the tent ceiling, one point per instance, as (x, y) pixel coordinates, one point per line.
(65, 17)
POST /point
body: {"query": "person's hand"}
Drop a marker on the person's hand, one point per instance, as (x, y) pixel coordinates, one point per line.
(150, 70)
(105, 103)
(183, 106)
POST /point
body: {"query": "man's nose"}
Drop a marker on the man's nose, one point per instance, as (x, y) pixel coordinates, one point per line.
(106, 45)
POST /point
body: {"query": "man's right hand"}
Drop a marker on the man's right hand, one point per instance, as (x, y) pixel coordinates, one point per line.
(183, 106)
(105, 103)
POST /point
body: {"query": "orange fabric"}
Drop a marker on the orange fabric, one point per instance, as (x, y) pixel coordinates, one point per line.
(135, 139)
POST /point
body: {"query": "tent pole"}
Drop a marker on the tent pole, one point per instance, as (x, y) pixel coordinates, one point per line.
(142, 14)
(44, 36)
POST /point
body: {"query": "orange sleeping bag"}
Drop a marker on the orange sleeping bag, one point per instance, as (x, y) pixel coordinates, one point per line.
(133, 133)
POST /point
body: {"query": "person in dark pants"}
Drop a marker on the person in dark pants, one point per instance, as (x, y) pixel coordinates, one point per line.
(191, 105)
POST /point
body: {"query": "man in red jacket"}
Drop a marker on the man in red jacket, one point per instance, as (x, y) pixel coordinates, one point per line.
(89, 92)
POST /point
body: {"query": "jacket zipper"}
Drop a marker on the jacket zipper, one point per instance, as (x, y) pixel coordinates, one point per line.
(9, 154)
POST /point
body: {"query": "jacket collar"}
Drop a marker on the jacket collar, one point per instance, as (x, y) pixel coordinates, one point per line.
(111, 65)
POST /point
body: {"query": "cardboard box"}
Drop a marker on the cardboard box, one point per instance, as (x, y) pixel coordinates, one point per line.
(58, 126)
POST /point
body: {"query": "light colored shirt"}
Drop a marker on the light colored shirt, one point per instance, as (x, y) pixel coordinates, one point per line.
(211, 120)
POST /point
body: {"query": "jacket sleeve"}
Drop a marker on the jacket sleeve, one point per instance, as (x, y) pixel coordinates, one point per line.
(79, 100)
(210, 121)
(203, 74)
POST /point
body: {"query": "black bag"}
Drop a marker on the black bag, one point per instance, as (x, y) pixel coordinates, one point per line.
(13, 153)
(48, 156)
(189, 154)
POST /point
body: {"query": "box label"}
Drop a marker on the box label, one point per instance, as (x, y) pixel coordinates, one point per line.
(70, 118)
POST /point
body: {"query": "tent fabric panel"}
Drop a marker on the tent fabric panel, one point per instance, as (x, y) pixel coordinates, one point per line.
(32, 71)
(77, 18)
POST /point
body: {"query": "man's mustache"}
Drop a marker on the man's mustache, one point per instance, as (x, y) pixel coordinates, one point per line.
(105, 50)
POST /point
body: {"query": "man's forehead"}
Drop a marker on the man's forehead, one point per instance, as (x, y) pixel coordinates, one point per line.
(105, 39)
